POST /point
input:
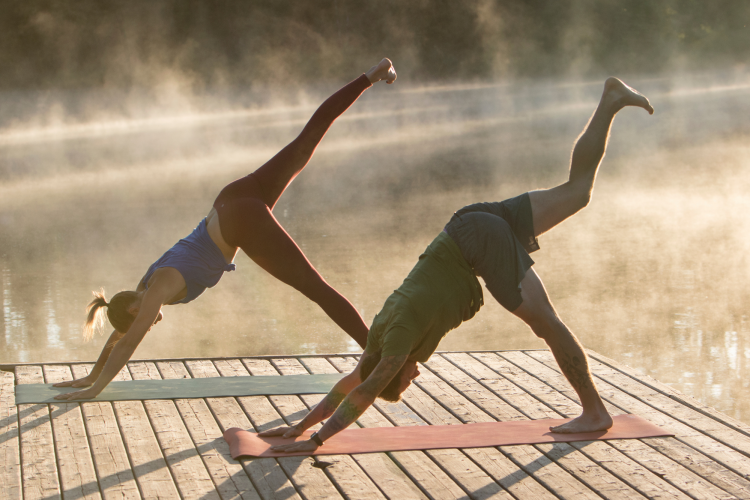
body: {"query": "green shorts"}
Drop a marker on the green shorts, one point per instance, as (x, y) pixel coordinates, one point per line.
(496, 239)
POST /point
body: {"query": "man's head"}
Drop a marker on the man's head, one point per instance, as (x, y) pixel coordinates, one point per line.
(398, 384)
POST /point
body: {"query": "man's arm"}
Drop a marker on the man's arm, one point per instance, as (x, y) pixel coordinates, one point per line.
(325, 408)
(353, 405)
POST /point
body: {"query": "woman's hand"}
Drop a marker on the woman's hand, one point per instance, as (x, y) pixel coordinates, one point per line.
(84, 394)
(305, 446)
(284, 430)
(81, 382)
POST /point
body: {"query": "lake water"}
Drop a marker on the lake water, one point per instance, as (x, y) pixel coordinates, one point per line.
(653, 273)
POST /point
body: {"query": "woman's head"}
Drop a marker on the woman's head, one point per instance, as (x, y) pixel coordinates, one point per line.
(118, 312)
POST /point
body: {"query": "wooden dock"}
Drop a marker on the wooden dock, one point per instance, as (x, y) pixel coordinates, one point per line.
(174, 448)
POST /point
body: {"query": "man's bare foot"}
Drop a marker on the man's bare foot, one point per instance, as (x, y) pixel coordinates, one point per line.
(382, 71)
(618, 95)
(585, 423)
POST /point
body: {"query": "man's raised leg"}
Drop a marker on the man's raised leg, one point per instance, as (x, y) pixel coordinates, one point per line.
(549, 208)
(552, 206)
(537, 311)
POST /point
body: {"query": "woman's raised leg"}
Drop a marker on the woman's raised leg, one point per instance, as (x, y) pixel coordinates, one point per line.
(552, 206)
(245, 209)
(276, 174)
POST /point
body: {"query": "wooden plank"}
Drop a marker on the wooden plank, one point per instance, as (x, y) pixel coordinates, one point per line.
(497, 465)
(267, 476)
(228, 475)
(730, 461)
(190, 475)
(722, 453)
(470, 377)
(380, 467)
(718, 430)
(696, 464)
(39, 465)
(586, 476)
(74, 460)
(149, 467)
(363, 474)
(422, 470)
(691, 481)
(10, 457)
(552, 474)
(672, 393)
(508, 474)
(607, 455)
(266, 413)
(457, 465)
(111, 462)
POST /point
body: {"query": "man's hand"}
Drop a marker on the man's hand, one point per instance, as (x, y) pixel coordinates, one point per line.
(84, 394)
(305, 446)
(81, 382)
(284, 430)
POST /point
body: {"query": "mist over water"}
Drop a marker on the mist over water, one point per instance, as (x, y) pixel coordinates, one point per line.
(653, 273)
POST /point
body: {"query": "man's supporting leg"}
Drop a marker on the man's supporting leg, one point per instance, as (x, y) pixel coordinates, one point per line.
(552, 206)
(537, 311)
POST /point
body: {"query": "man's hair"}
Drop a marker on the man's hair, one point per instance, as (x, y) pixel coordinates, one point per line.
(391, 392)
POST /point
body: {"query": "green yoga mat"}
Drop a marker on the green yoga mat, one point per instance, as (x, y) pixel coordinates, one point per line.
(186, 388)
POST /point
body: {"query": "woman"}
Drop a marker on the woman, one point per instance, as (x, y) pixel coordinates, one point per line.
(241, 218)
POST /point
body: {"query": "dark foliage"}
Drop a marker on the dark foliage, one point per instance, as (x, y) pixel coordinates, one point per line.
(90, 43)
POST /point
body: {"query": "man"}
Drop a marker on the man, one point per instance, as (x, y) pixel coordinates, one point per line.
(491, 240)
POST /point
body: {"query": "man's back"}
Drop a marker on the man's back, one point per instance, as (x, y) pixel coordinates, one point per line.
(440, 293)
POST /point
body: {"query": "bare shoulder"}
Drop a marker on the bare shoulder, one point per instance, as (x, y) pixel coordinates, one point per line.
(165, 283)
(164, 275)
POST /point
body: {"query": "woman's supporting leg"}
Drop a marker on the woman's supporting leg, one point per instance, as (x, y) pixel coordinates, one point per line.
(552, 206)
(276, 174)
(537, 311)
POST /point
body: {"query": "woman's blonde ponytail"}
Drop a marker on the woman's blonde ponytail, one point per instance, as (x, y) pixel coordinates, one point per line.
(95, 318)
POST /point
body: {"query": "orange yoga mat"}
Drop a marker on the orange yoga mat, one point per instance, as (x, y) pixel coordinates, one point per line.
(430, 437)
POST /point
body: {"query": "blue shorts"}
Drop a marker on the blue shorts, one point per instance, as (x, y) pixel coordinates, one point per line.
(496, 239)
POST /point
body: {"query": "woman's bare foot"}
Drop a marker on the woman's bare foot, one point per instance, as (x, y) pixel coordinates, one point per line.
(586, 422)
(618, 95)
(382, 71)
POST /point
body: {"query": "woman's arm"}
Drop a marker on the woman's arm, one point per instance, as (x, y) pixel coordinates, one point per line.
(155, 297)
(94, 374)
